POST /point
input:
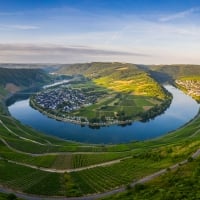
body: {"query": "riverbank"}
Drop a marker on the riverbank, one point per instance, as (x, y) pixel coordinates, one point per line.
(182, 109)
(76, 120)
(145, 115)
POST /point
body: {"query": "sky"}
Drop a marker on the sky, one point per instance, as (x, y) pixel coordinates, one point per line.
(77, 31)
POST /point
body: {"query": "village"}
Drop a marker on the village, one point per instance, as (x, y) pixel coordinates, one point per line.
(61, 102)
(63, 99)
(191, 86)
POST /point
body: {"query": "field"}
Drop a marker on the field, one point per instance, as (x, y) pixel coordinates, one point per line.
(113, 104)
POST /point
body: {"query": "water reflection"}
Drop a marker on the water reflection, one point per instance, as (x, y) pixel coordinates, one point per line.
(182, 109)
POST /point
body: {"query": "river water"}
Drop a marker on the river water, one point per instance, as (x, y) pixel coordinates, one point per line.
(182, 109)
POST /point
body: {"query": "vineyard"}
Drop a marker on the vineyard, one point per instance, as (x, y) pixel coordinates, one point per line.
(96, 179)
(34, 163)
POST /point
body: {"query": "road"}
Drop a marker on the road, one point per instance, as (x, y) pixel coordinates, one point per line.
(44, 154)
(61, 171)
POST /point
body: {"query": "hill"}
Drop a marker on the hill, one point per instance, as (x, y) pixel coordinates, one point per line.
(33, 163)
(169, 73)
(120, 77)
(113, 93)
(14, 80)
(23, 77)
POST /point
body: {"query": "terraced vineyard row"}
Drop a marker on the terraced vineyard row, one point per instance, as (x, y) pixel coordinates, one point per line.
(104, 178)
(82, 160)
(29, 180)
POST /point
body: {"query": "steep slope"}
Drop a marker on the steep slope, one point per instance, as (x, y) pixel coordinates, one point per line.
(120, 77)
(14, 80)
(164, 73)
(23, 77)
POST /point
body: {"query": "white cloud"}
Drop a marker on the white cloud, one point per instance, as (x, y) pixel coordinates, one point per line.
(110, 37)
(179, 15)
(19, 27)
(57, 53)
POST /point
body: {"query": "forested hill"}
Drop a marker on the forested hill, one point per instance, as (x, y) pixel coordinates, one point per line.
(100, 69)
(164, 73)
(167, 72)
(14, 80)
(119, 77)
(22, 77)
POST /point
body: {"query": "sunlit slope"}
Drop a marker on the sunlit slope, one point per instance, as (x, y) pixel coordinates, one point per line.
(119, 77)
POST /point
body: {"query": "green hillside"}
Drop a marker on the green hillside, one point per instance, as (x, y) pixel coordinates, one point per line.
(14, 80)
(178, 184)
(124, 93)
(23, 77)
(118, 77)
(173, 72)
(34, 163)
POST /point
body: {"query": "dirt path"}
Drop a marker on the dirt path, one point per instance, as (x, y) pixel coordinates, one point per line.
(53, 153)
(196, 132)
(61, 171)
(20, 137)
(42, 154)
(100, 195)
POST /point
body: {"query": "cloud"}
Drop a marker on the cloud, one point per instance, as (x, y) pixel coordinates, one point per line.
(19, 27)
(24, 27)
(61, 54)
(84, 50)
(179, 15)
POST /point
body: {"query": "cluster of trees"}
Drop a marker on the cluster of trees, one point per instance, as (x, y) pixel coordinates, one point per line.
(100, 69)
(172, 72)
(156, 110)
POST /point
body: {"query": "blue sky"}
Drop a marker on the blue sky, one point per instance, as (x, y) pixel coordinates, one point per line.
(70, 31)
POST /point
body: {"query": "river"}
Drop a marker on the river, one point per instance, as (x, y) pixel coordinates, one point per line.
(182, 109)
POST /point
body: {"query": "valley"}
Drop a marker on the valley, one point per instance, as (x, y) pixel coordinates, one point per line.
(38, 164)
(99, 100)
